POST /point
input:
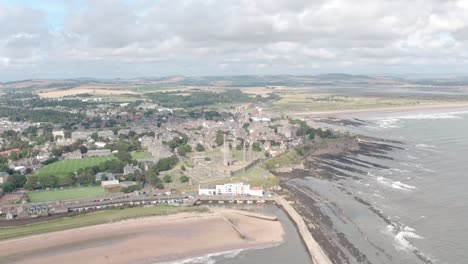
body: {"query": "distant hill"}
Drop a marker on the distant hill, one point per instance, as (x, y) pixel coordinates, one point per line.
(329, 80)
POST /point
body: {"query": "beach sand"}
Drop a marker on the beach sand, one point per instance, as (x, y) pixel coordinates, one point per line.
(145, 240)
(387, 110)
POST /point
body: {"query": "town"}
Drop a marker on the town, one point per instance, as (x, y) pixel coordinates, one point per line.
(86, 151)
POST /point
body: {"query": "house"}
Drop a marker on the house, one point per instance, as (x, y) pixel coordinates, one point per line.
(75, 155)
(100, 144)
(75, 135)
(129, 169)
(105, 133)
(37, 209)
(256, 191)
(105, 176)
(207, 190)
(232, 189)
(98, 153)
(166, 191)
(109, 183)
(3, 177)
(58, 134)
(126, 184)
(8, 152)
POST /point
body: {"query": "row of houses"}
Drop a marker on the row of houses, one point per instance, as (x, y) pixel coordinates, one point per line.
(91, 153)
(231, 189)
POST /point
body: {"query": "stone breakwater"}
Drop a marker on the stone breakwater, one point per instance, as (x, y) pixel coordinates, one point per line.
(316, 253)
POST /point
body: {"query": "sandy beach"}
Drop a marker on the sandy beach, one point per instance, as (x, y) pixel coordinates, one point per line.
(384, 110)
(146, 240)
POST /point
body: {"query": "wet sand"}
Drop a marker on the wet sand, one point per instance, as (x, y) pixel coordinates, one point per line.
(386, 110)
(145, 240)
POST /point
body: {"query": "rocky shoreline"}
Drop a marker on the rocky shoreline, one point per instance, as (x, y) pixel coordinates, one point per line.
(333, 162)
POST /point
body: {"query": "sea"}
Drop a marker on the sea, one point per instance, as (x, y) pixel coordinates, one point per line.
(411, 208)
(414, 207)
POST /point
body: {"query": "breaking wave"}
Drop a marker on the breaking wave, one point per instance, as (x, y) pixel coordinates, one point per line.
(392, 122)
(206, 259)
(396, 185)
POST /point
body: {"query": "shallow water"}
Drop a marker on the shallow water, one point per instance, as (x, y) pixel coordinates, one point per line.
(415, 211)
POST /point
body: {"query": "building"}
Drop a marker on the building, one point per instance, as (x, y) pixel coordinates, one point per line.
(100, 144)
(98, 153)
(110, 183)
(159, 192)
(129, 169)
(58, 134)
(105, 176)
(37, 209)
(3, 177)
(105, 133)
(207, 190)
(75, 155)
(231, 189)
(75, 135)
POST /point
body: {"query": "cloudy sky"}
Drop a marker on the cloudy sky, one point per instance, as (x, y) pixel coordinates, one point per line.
(133, 38)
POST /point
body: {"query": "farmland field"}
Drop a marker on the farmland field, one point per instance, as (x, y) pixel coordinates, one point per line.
(64, 167)
(65, 194)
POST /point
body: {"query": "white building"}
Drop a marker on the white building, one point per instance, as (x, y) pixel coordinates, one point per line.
(232, 189)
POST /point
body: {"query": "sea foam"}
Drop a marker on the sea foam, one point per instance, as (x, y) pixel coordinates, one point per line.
(206, 259)
(396, 185)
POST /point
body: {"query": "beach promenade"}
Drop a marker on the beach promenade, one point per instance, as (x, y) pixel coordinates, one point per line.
(316, 253)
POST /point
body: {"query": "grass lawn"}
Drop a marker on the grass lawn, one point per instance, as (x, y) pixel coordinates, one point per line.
(64, 167)
(65, 194)
(256, 177)
(286, 159)
(101, 217)
(141, 155)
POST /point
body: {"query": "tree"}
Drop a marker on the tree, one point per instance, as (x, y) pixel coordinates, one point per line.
(219, 138)
(184, 149)
(83, 149)
(199, 147)
(167, 178)
(153, 179)
(184, 179)
(165, 164)
(18, 180)
(57, 152)
(256, 146)
(8, 187)
(183, 168)
(123, 156)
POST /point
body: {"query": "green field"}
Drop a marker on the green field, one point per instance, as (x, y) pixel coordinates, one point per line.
(65, 194)
(141, 155)
(64, 167)
(101, 217)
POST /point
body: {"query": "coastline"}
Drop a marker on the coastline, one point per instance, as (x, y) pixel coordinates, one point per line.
(316, 253)
(386, 110)
(146, 240)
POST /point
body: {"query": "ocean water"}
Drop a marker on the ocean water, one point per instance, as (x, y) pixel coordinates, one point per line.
(415, 208)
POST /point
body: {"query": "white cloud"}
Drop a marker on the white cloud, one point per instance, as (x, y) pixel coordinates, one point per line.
(207, 37)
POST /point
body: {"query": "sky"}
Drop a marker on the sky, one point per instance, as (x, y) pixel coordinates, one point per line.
(152, 38)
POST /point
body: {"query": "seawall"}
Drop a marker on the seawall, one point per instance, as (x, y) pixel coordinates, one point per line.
(316, 253)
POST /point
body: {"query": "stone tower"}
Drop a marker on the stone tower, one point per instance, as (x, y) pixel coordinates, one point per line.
(227, 155)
